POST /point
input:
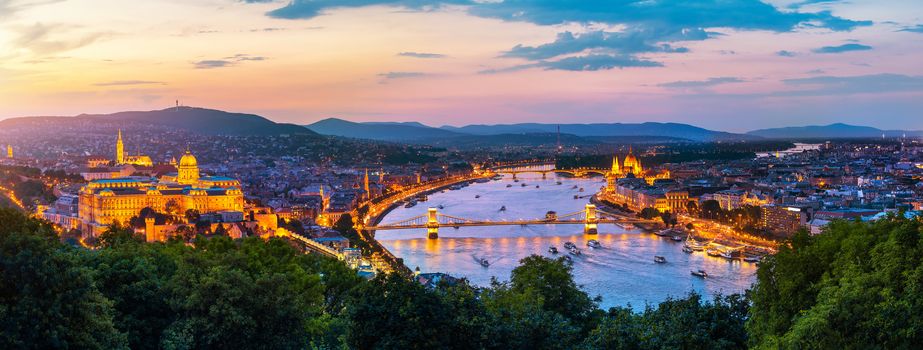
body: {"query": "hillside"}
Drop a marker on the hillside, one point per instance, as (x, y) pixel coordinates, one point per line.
(397, 132)
(832, 131)
(198, 120)
(670, 130)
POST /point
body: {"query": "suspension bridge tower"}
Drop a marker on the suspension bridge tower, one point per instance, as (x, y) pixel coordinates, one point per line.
(590, 227)
(432, 224)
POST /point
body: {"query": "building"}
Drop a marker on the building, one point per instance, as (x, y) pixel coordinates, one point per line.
(122, 158)
(632, 167)
(785, 219)
(103, 202)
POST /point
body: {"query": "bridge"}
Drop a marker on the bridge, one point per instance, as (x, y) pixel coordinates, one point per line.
(433, 220)
(546, 168)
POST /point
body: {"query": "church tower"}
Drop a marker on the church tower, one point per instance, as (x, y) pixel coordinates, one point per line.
(365, 185)
(119, 150)
(9, 151)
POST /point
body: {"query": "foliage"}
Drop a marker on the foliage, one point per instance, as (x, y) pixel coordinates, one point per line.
(856, 285)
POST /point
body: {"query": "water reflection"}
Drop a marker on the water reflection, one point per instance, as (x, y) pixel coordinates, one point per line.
(622, 271)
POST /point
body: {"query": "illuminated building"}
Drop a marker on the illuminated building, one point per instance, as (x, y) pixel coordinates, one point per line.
(122, 158)
(785, 219)
(9, 151)
(631, 167)
(103, 202)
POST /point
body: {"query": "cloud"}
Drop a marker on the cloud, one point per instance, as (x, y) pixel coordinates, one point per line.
(842, 48)
(785, 53)
(401, 75)
(129, 82)
(9, 8)
(693, 84)
(593, 62)
(804, 3)
(44, 39)
(915, 29)
(629, 42)
(421, 55)
(208, 64)
(649, 26)
(841, 85)
(226, 61)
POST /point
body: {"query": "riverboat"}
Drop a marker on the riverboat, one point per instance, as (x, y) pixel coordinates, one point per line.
(700, 273)
(553, 250)
(659, 259)
(593, 244)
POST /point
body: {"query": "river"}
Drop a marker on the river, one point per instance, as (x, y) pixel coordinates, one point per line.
(622, 272)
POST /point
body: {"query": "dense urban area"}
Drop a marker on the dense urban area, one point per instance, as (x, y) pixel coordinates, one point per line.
(127, 234)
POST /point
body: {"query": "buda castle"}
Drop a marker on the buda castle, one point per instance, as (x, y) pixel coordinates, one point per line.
(103, 202)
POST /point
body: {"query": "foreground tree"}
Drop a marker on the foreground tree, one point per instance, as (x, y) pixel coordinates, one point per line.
(47, 298)
(856, 285)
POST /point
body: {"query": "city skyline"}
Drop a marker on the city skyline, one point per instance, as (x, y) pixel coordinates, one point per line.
(731, 66)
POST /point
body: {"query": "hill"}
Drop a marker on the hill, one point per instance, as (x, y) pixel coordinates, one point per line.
(832, 131)
(397, 132)
(198, 120)
(670, 130)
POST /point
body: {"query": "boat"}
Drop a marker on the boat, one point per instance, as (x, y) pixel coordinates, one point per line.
(576, 197)
(569, 245)
(558, 183)
(503, 208)
(628, 226)
(551, 215)
(581, 189)
(687, 250)
(659, 259)
(410, 204)
(575, 251)
(536, 186)
(700, 273)
(552, 250)
(568, 259)
(574, 188)
(477, 196)
(455, 227)
(713, 252)
(523, 185)
(664, 233)
(727, 255)
(483, 262)
(752, 259)
(677, 239)
(515, 180)
(509, 185)
(440, 206)
(593, 244)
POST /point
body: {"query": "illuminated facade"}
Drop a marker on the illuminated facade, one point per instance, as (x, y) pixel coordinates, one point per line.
(122, 158)
(9, 151)
(632, 166)
(106, 201)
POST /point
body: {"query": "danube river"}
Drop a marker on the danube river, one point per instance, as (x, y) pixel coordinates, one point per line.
(622, 271)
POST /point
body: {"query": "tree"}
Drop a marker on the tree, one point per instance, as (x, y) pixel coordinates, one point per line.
(649, 213)
(552, 282)
(711, 209)
(856, 285)
(116, 234)
(693, 208)
(47, 298)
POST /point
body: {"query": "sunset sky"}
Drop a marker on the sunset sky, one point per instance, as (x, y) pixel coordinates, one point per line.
(732, 65)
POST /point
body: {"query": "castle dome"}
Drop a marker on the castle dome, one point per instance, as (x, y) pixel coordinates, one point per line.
(188, 160)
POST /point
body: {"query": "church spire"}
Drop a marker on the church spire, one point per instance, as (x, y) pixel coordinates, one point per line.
(119, 149)
(365, 185)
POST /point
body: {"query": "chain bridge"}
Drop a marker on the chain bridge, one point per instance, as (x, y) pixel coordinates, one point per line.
(433, 220)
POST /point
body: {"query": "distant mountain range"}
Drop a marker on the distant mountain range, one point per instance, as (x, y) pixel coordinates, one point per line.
(586, 133)
(199, 120)
(832, 131)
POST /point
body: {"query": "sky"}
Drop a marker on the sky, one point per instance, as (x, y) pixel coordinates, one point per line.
(732, 65)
